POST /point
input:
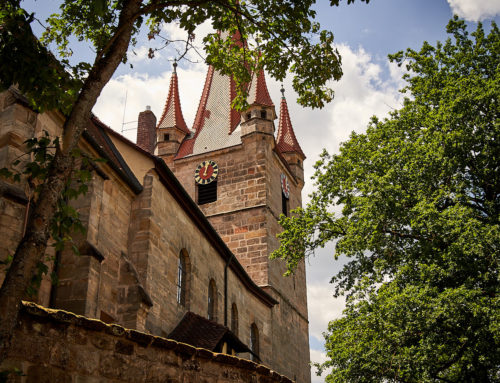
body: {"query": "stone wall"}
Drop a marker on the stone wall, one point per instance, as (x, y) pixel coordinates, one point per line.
(249, 203)
(157, 240)
(126, 272)
(56, 346)
(238, 215)
(290, 292)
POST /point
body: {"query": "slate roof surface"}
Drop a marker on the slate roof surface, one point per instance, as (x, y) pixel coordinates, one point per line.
(286, 140)
(216, 124)
(203, 333)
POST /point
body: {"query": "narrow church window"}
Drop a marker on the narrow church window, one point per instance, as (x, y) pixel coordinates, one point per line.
(234, 319)
(284, 204)
(166, 137)
(212, 296)
(207, 193)
(263, 114)
(182, 278)
(254, 341)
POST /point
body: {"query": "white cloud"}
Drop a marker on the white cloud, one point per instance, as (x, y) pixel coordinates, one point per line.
(142, 90)
(323, 307)
(137, 55)
(367, 88)
(318, 357)
(475, 10)
(175, 33)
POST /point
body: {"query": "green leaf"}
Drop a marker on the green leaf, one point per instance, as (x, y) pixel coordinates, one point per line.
(414, 205)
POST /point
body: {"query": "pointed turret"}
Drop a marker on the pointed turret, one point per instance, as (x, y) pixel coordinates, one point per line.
(172, 128)
(258, 93)
(287, 143)
(261, 112)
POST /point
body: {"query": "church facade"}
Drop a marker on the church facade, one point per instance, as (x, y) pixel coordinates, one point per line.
(180, 225)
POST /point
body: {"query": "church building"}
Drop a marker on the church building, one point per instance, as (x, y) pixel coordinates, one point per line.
(180, 225)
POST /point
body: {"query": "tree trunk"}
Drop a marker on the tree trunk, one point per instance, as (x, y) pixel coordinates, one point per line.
(32, 246)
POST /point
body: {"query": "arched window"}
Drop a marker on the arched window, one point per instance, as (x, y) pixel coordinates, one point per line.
(254, 341)
(234, 319)
(183, 279)
(212, 300)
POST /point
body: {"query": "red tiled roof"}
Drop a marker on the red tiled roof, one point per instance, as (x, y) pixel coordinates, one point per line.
(286, 140)
(201, 113)
(258, 93)
(172, 113)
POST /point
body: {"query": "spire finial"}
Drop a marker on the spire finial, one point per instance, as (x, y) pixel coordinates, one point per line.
(175, 65)
(282, 90)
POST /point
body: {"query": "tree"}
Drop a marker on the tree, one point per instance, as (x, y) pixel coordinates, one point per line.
(414, 203)
(285, 38)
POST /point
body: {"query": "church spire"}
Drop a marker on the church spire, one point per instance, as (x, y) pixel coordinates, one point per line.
(286, 140)
(172, 113)
(216, 123)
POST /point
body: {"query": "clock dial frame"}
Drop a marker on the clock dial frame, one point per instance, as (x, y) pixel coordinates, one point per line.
(285, 186)
(206, 172)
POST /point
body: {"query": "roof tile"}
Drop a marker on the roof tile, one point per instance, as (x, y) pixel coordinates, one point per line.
(258, 93)
(172, 112)
(216, 122)
(286, 140)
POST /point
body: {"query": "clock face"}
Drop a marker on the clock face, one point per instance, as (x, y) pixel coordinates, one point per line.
(285, 186)
(206, 172)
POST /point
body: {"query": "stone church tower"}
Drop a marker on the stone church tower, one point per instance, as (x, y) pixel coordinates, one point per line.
(243, 175)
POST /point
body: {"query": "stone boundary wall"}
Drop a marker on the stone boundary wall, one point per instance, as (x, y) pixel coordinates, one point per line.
(58, 346)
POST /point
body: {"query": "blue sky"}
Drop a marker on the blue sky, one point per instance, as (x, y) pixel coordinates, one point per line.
(384, 26)
(365, 35)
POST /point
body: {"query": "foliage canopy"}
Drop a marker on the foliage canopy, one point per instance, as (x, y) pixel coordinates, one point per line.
(281, 37)
(415, 203)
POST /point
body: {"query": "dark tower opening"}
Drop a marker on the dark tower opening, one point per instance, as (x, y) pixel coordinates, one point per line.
(207, 193)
